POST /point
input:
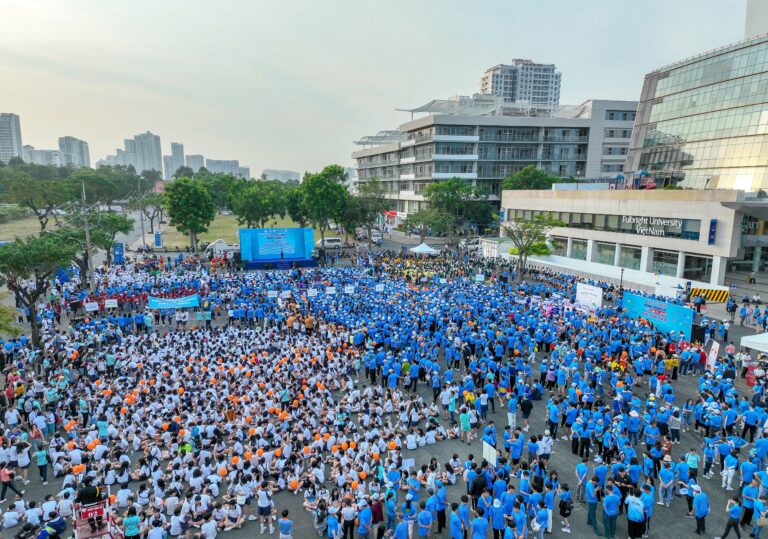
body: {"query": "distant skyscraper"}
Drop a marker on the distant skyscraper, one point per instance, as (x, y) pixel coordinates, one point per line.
(10, 136)
(53, 158)
(227, 166)
(757, 18)
(173, 162)
(75, 152)
(281, 175)
(142, 151)
(195, 162)
(523, 81)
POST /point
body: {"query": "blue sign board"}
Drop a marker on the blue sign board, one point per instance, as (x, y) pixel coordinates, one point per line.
(158, 239)
(712, 231)
(501, 215)
(174, 303)
(664, 316)
(118, 252)
(260, 244)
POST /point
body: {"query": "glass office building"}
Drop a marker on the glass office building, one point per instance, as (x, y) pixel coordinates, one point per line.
(702, 123)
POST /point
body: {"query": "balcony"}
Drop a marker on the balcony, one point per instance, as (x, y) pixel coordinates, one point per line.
(566, 140)
(408, 176)
(456, 138)
(449, 175)
(454, 157)
(406, 143)
(407, 160)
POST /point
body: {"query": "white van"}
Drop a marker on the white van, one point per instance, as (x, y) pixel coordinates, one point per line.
(330, 243)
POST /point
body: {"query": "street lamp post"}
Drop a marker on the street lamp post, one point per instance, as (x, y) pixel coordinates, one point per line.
(621, 280)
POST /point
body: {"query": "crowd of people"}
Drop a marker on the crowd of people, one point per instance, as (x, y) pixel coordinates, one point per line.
(325, 383)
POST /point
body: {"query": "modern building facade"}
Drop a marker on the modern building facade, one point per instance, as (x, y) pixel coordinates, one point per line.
(10, 136)
(227, 166)
(523, 81)
(588, 141)
(687, 234)
(142, 152)
(75, 152)
(195, 162)
(702, 123)
(281, 175)
(757, 19)
(51, 158)
(173, 162)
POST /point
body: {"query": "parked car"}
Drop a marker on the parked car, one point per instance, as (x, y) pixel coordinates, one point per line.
(330, 243)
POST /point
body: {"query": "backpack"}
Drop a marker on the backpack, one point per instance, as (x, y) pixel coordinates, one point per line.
(566, 507)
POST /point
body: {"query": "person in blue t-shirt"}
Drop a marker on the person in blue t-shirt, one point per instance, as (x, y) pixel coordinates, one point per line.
(285, 525)
(733, 509)
(424, 520)
(700, 509)
(479, 525)
(611, 503)
(455, 525)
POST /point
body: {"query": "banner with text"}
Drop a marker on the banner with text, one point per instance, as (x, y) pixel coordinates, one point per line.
(589, 296)
(174, 303)
(664, 316)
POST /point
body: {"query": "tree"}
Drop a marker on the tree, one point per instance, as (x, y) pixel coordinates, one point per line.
(152, 207)
(424, 222)
(353, 214)
(43, 197)
(324, 198)
(527, 235)
(258, 203)
(108, 225)
(183, 172)
(460, 201)
(190, 208)
(294, 205)
(101, 186)
(371, 195)
(223, 188)
(15, 162)
(75, 236)
(27, 267)
(8, 319)
(529, 177)
(335, 173)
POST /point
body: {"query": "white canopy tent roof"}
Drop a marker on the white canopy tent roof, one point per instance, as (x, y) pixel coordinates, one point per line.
(424, 249)
(756, 342)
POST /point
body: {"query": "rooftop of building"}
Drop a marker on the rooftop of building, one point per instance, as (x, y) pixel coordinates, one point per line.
(744, 43)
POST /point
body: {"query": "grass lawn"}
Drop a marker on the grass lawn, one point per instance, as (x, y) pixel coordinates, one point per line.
(226, 228)
(20, 228)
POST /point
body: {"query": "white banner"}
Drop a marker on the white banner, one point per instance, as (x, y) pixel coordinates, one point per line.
(479, 277)
(110, 304)
(489, 453)
(311, 292)
(91, 306)
(271, 293)
(713, 353)
(589, 296)
(379, 288)
(349, 289)
(330, 290)
(285, 294)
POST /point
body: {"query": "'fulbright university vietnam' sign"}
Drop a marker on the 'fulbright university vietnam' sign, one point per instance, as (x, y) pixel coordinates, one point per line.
(653, 226)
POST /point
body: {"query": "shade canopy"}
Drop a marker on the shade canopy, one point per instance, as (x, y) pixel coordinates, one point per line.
(424, 249)
(756, 342)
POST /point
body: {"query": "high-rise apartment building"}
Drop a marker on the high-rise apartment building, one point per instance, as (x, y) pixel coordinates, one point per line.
(52, 158)
(523, 81)
(75, 152)
(173, 162)
(142, 152)
(227, 166)
(10, 136)
(195, 162)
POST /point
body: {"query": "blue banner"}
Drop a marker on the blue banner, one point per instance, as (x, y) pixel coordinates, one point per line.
(174, 303)
(118, 253)
(158, 239)
(664, 316)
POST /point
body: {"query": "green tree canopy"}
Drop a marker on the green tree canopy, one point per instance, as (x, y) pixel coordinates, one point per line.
(371, 194)
(461, 202)
(527, 236)
(428, 221)
(190, 208)
(294, 205)
(109, 225)
(324, 198)
(258, 202)
(530, 177)
(27, 267)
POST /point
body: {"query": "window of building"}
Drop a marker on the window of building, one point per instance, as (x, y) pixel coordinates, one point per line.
(605, 253)
(664, 262)
(697, 268)
(579, 249)
(630, 257)
(559, 246)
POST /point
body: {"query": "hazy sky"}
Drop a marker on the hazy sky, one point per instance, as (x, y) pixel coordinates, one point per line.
(291, 83)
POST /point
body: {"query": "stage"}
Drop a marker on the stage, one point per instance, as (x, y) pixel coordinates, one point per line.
(281, 264)
(277, 248)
